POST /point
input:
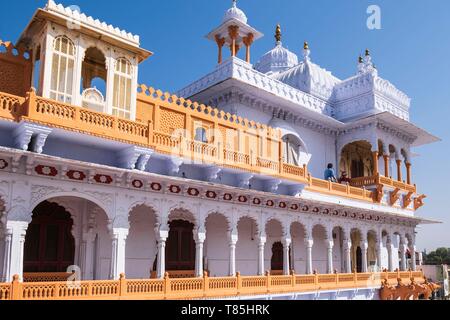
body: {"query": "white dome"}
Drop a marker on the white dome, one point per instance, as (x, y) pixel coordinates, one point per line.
(310, 78)
(277, 60)
(235, 13)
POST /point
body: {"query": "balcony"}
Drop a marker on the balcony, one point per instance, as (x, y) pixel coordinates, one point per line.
(161, 116)
(198, 288)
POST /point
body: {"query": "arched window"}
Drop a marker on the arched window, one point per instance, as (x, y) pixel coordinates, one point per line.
(122, 89)
(200, 135)
(63, 65)
(291, 150)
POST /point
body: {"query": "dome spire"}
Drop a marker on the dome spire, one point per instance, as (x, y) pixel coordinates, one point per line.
(306, 51)
(234, 3)
(278, 34)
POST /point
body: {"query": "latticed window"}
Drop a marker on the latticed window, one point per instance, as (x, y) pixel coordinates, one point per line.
(122, 89)
(62, 70)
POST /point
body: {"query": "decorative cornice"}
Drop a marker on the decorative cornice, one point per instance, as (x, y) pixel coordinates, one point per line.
(90, 21)
(222, 193)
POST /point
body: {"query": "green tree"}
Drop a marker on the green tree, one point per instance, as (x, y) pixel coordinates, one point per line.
(438, 257)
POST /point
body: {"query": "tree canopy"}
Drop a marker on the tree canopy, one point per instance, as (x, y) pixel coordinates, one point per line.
(438, 257)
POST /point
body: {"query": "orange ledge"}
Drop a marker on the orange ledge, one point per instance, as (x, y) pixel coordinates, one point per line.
(197, 288)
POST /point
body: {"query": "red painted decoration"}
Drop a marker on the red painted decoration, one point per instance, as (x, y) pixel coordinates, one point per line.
(76, 175)
(104, 179)
(3, 164)
(138, 184)
(46, 171)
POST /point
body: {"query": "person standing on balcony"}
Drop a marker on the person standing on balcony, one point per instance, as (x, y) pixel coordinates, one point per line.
(329, 173)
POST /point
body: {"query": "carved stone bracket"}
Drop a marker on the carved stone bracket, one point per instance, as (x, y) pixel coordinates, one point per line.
(134, 158)
(395, 196)
(31, 137)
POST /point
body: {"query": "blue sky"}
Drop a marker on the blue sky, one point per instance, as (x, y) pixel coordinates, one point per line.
(412, 50)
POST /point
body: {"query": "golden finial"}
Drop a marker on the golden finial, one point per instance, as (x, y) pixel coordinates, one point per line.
(367, 52)
(278, 33)
(306, 46)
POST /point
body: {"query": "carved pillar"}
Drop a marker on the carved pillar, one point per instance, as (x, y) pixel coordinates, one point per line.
(330, 245)
(119, 236)
(248, 40)
(375, 163)
(379, 251)
(286, 245)
(233, 32)
(386, 165)
(347, 255)
(309, 242)
(399, 170)
(412, 248)
(220, 43)
(364, 247)
(199, 237)
(162, 233)
(87, 255)
(261, 246)
(233, 239)
(13, 250)
(408, 172)
(390, 249)
(402, 249)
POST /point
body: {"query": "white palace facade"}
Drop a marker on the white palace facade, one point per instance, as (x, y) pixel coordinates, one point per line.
(217, 191)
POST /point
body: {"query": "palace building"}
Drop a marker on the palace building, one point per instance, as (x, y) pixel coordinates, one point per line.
(215, 191)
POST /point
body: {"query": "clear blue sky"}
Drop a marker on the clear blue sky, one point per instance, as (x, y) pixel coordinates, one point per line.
(412, 51)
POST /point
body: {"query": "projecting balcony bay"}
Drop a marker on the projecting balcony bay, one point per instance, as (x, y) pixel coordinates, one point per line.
(172, 126)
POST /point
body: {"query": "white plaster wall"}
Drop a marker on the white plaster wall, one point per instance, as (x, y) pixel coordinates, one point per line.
(103, 249)
(141, 246)
(321, 146)
(216, 245)
(319, 250)
(247, 248)
(298, 249)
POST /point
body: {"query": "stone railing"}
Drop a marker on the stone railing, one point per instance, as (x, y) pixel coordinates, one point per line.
(198, 288)
(46, 277)
(167, 117)
(382, 180)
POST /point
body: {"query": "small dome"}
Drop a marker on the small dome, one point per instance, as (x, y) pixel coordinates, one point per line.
(277, 60)
(235, 13)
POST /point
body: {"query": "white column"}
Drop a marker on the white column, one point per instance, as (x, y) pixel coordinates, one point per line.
(46, 63)
(330, 245)
(261, 246)
(348, 255)
(134, 90)
(364, 248)
(199, 237)
(233, 239)
(87, 255)
(390, 249)
(77, 73)
(379, 250)
(309, 245)
(162, 233)
(2, 253)
(109, 82)
(286, 245)
(413, 256)
(402, 254)
(119, 236)
(13, 250)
